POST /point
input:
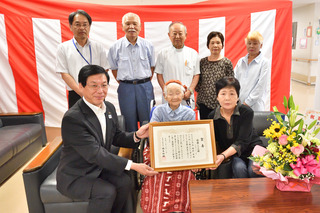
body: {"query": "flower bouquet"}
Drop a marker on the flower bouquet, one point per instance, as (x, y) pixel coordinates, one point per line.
(292, 156)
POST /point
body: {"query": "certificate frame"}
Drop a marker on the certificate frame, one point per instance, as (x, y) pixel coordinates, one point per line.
(182, 145)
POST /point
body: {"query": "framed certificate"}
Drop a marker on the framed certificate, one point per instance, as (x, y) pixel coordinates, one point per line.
(182, 145)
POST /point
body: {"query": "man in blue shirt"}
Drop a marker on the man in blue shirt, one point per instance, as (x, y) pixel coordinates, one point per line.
(132, 63)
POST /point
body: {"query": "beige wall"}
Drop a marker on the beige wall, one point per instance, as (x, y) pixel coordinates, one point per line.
(305, 16)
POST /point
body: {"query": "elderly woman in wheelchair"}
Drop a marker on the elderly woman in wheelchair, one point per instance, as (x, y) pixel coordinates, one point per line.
(167, 191)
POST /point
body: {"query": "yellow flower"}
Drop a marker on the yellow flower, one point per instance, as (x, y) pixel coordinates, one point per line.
(267, 165)
(272, 147)
(267, 133)
(298, 137)
(275, 162)
(273, 131)
(291, 137)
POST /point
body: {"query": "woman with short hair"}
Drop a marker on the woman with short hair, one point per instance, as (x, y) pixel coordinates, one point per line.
(253, 72)
(212, 68)
(233, 128)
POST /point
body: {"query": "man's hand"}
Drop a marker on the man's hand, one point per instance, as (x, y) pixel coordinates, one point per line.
(187, 95)
(143, 169)
(143, 132)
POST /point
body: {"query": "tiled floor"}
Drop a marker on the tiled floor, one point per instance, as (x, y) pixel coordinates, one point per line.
(12, 195)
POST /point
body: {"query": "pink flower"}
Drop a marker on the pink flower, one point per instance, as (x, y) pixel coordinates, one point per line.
(283, 140)
(297, 150)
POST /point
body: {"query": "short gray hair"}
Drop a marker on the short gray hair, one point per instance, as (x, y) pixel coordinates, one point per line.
(130, 14)
(178, 22)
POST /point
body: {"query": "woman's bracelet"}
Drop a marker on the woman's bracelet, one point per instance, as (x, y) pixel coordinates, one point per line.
(224, 157)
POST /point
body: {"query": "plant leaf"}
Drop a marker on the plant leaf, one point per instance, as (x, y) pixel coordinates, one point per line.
(287, 167)
(312, 124)
(298, 122)
(291, 103)
(300, 126)
(315, 132)
(285, 102)
(278, 116)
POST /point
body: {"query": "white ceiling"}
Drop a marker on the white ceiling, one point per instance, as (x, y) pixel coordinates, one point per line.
(300, 3)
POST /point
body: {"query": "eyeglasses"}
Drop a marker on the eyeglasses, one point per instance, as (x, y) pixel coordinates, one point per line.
(78, 25)
(96, 87)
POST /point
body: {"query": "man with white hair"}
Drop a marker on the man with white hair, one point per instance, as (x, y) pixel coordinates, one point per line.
(132, 63)
(179, 62)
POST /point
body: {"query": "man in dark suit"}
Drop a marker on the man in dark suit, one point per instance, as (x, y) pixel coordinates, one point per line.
(87, 170)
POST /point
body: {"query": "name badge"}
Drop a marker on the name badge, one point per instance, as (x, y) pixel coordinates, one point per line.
(110, 116)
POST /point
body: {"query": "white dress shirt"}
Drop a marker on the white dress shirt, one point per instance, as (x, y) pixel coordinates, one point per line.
(178, 64)
(70, 61)
(253, 79)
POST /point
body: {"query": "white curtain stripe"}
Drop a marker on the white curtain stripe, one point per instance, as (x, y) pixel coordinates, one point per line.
(264, 22)
(47, 37)
(8, 100)
(205, 27)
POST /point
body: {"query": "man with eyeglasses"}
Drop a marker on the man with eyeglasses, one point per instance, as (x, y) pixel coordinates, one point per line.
(72, 55)
(87, 169)
(132, 63)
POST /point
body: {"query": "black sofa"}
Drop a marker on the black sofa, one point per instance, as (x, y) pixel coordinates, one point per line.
(40, 182)
(22, 135)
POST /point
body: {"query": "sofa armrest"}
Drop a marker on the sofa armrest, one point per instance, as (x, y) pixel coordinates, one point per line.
(37, 171)
(43, 156)
(9, 119)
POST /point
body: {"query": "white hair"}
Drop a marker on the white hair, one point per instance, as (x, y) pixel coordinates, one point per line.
(178, 22)
(165, 89)
(130, 14)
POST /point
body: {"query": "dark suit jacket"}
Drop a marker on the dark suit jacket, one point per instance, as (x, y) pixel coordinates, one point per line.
(84, 154)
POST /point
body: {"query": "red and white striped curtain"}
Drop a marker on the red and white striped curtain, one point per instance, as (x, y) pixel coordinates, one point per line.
(30, 31)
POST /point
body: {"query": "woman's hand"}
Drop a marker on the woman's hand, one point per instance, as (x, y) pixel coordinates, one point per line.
(256, 169)
(219, 160)
(196, 170)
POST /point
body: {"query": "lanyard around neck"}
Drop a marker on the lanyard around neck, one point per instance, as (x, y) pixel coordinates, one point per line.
(81, 54)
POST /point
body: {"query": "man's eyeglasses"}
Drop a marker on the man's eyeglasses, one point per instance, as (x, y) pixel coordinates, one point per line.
(96, 87)
(78, 25)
